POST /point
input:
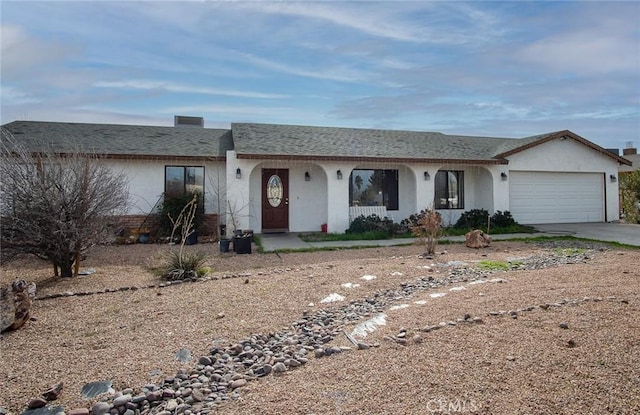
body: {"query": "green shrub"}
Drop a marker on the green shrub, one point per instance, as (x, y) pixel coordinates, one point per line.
(630, 194)
(170, 210)
(372, 224)
(477, 219)
(502, 219)
(473, 219)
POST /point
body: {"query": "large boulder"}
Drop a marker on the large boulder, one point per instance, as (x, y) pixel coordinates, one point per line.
(477, 239)
(15, 304)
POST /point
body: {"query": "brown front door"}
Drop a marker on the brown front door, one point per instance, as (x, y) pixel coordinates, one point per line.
(275, 200)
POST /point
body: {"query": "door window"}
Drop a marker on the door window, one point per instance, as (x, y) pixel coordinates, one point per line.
(275, 190)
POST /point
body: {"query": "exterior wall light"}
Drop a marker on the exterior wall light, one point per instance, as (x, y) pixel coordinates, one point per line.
(307, 176)
(427, 176)
(504, 176)
(339, 173)
(613, 178)
(238, 173)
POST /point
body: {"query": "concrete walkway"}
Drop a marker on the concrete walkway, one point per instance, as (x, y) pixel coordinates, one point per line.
(610, 232)
(624, 233)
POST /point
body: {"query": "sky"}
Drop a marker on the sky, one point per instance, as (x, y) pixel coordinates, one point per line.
(480, 68)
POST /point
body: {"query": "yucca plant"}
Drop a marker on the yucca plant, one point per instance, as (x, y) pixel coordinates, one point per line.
(180, 265)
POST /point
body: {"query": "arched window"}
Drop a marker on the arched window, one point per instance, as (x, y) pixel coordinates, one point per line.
(449, 191)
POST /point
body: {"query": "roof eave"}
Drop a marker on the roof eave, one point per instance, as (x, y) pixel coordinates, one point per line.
(561, 134)
(287, 157)
(154, 157)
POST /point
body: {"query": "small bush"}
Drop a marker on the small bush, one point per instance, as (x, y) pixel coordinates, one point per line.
(171, 209)
(479, 219)
(502, 219)
(183, 265)
(473, 219)
(372, 224)
(428, 227)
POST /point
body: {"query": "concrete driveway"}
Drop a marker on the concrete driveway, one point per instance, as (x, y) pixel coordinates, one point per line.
(624, 233)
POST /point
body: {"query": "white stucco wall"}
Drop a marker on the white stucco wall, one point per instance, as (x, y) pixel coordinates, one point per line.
(240, 206)
(146, 181)
(571, 156)
(481, 183)
(325, 198)
(307, 200)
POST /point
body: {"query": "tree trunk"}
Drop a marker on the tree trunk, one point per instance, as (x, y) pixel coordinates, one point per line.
(76, 267)
(66, 268)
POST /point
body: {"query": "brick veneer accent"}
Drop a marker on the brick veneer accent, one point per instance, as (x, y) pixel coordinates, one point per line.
(132, 224)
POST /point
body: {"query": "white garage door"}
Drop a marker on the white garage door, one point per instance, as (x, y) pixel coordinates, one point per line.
(553, 197)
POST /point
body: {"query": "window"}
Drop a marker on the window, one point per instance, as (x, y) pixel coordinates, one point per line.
(374, 188)
(449, 189)
(181, 180)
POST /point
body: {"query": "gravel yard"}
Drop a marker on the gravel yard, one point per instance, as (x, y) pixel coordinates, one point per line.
(515, 328)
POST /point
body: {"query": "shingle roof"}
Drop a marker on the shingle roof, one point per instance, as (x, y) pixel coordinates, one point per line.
(292, 141)
(295, 141)
(276, 141)
(123, 140)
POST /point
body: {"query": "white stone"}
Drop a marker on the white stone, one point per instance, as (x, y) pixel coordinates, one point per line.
(332, 298)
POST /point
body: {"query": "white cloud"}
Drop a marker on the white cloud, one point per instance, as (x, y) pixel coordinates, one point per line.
(17, 96)
(182, 88)
(584, 52)
(22, 52)
(340, 73)
(598, 39)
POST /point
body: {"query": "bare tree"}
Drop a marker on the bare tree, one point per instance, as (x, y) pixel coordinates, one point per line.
(56, 206)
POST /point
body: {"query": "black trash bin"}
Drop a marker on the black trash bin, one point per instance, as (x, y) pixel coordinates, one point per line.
(242, 245)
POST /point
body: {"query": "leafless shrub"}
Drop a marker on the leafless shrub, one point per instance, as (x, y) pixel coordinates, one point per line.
(428, 228)
(56, 206)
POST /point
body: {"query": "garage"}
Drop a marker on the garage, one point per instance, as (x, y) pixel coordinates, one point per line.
(556, 197)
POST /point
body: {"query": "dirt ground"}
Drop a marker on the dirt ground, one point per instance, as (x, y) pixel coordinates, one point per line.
(501, 365)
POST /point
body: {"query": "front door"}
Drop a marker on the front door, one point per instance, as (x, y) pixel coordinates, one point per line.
(275, 200)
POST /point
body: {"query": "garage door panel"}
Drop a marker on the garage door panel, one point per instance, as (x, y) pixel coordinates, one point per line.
(556, 197)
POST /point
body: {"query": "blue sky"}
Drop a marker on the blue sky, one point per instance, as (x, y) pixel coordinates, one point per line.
(506, 69)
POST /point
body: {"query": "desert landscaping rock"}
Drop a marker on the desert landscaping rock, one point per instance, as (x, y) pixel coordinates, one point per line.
(100, 408)
(36, 403)
(15, 304)
(93, 389)
(222, 374)
(121, 400)
(54, 392)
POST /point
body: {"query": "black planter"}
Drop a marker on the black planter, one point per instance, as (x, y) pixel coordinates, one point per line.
(192, 239)
(224, 245)
(242, 245)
